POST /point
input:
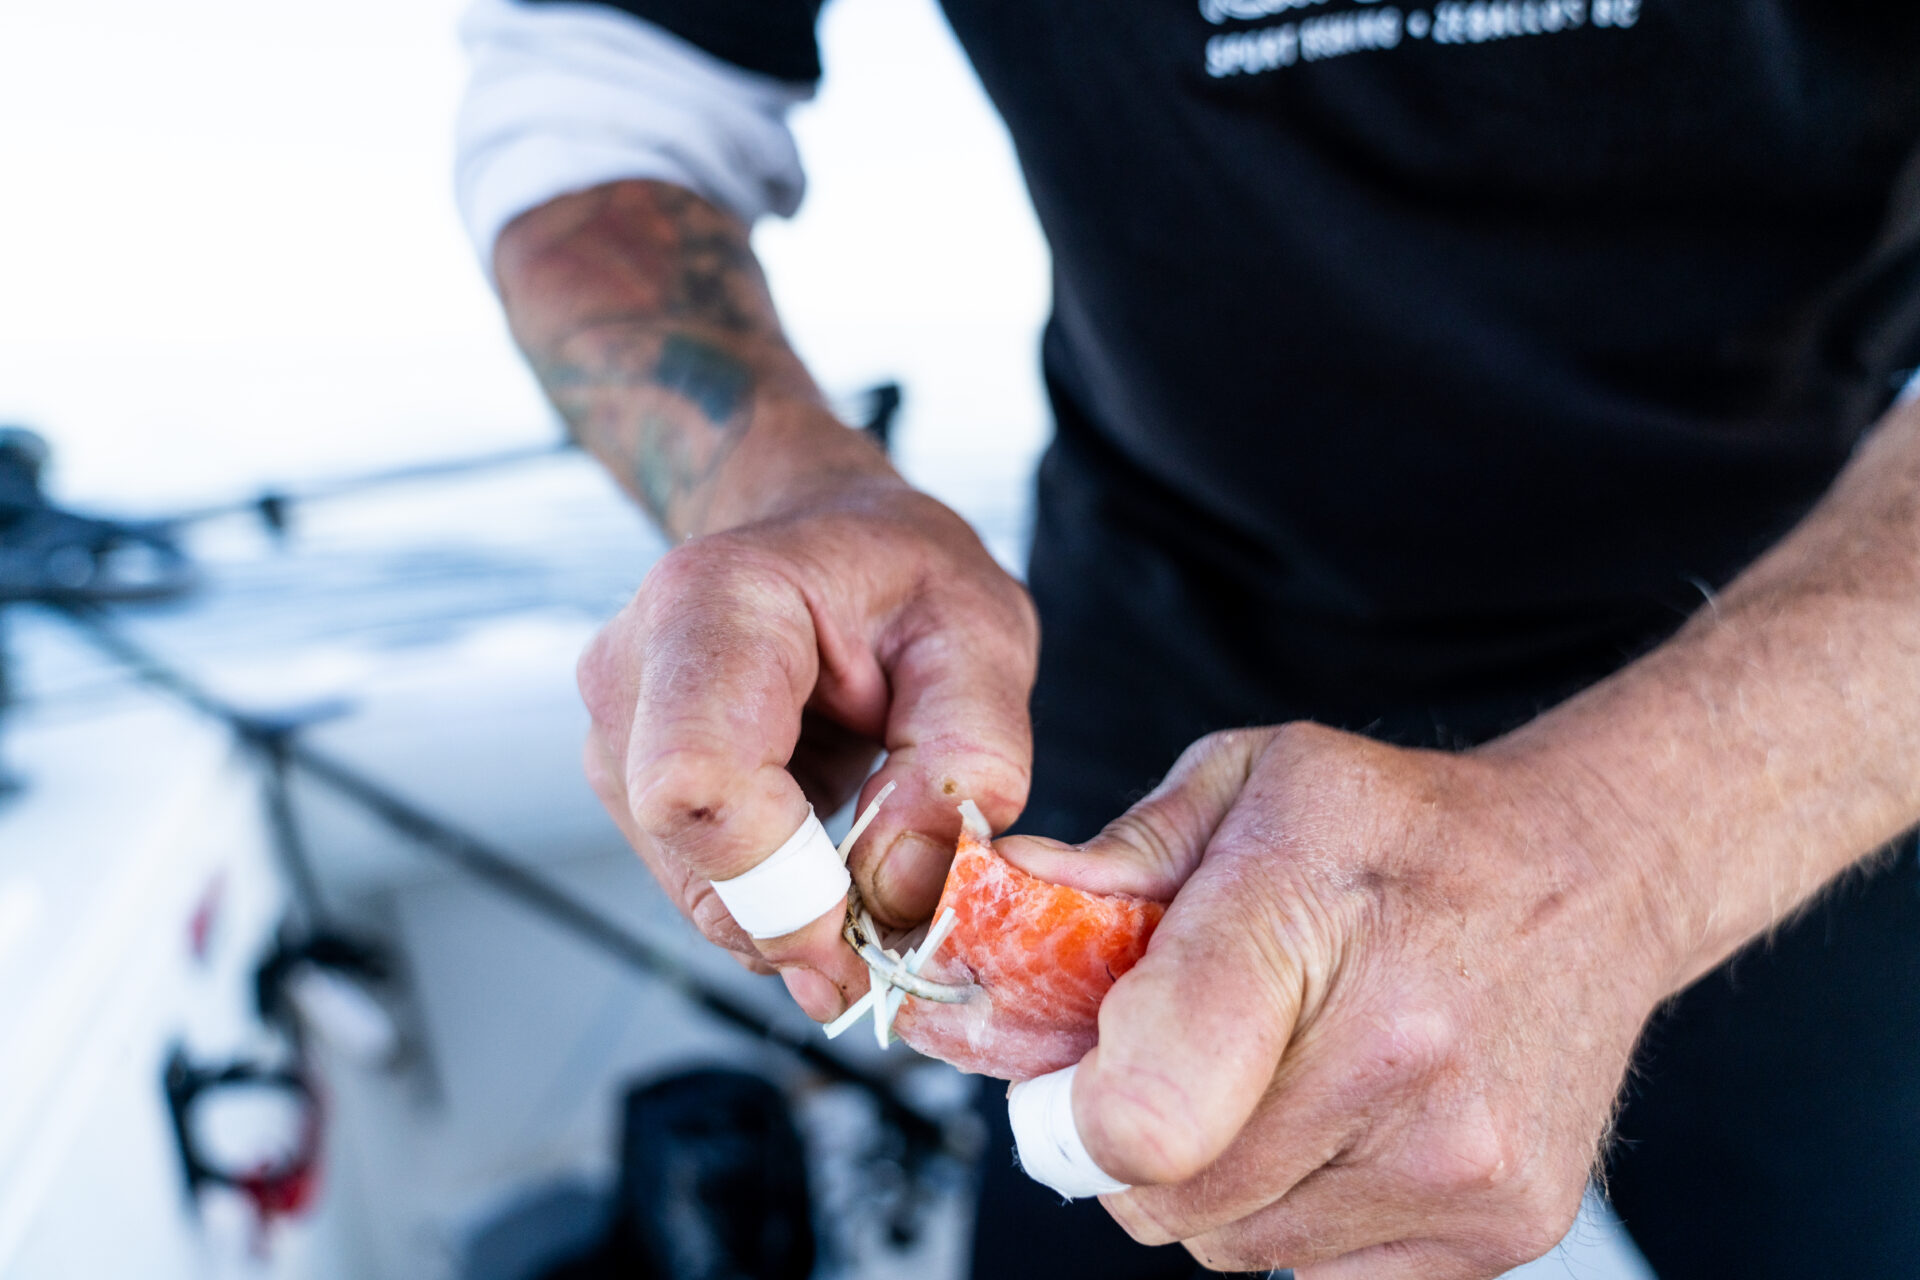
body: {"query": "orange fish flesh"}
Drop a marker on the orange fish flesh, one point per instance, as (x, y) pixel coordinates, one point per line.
(1040, 958)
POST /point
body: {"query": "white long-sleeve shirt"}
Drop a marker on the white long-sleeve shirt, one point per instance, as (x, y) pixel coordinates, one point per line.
(564, 97)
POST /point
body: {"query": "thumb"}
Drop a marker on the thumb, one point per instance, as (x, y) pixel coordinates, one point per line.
(1191, 1036)
(1151, 849)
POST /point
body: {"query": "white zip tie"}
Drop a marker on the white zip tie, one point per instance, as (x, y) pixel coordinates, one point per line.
(916, 960)
(891, 977)
(973, 822)
(855, 1011)
(890, 1003)
(878, 990)
(881, 989)
(860, 825)
(935, 936)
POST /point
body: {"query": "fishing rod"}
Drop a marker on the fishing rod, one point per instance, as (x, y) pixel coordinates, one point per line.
(873, 412)
(276, 740)
(273, 507)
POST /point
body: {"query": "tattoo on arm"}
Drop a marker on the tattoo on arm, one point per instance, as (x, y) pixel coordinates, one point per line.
(664, 413)
(703, 375)
(676, 460)
(663, 335)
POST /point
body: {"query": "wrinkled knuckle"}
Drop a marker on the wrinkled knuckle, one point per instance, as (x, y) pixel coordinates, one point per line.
(1471, 1159)
(687, 568)
(1519, 1240)
(1220, 741)
(1304, 737)
(710, 916)
(679, 794)
(998, 783)
(690, 565)
(1238, 739)
(1542, 1213)
(1223, 1251)
(718, 568)
(600, 775)
(1145, 837)
(1141, 1221)
(597, 675)
(1141, 1130)
(1026, 617)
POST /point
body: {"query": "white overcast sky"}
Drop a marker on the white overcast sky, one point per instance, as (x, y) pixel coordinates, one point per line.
(228, 252)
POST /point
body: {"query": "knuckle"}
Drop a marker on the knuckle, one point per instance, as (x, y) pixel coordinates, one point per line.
(714, 596)
(1229, 740)
(1141, 1128)
(678, 794)
(1543, 1212)
(1140, 833)
(692, 566)
(598, 676)
(1026, 624)
(1336, 766)
(1222, 1251)
(997, 783)
(600, 777)
(1221, 743)
(1304, 737)
(980, 766)
(1516, 1243)
(720, 565)
(1140, 1221)
(709, 915)
(1469, 1159)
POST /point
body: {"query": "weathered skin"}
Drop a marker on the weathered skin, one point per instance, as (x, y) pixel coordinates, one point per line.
(1042, 957)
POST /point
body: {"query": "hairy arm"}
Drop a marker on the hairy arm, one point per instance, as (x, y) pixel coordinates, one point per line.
(649, 324)
(1776, 739)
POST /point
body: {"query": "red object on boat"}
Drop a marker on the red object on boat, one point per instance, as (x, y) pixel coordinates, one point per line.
(1041, 956)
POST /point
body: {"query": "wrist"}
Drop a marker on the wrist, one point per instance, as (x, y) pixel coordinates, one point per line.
(795, 456)
(1609, 852)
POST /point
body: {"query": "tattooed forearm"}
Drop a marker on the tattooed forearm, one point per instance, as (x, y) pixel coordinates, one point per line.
(704, 376)
(663, 412)
(650, 326)
(716, 281)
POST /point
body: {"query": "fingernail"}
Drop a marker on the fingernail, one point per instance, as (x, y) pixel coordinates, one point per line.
(814, 992)
(910, 876)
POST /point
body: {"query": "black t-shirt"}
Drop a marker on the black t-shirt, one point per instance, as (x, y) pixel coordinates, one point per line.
(1520, 314)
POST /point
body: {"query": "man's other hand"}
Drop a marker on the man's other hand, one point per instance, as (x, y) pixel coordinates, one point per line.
(763, 668)
(1379, 1032)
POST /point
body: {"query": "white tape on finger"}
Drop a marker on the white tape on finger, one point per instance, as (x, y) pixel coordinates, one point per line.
(1048, 1140)
(800, 882)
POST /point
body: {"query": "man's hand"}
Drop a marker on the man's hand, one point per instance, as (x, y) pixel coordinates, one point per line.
(817, 610)
(763, 668)
(1379, 1031)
